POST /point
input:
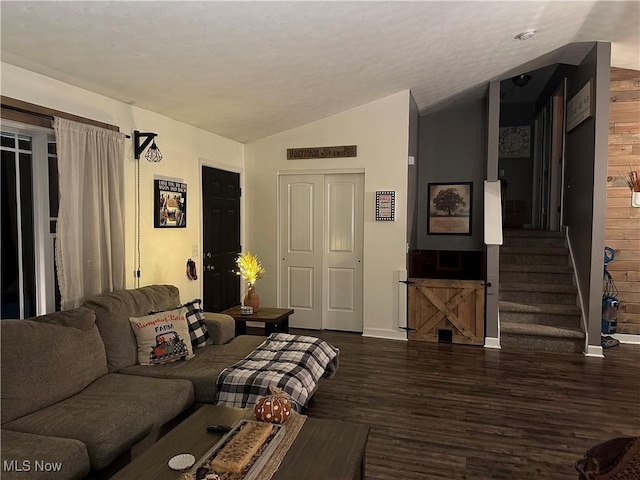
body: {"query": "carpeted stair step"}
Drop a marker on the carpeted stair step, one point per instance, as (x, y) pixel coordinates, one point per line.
(538, 250)
(534, 255)
(524, 336)
(540, 308)
(542, 314)
(521, 232)
(530, 238)
(522, 273)
(538, 293)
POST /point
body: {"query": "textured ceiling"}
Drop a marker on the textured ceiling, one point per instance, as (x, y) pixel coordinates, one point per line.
(246, 70)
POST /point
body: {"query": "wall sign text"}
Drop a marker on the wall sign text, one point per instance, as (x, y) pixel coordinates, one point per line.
(322, 152)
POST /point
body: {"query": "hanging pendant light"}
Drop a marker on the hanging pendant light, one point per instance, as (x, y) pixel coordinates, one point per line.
(153, 154)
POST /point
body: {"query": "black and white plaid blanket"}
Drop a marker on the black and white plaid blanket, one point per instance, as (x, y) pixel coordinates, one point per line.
(293, 363)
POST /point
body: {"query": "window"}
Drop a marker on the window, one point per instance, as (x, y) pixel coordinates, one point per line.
(29, 207)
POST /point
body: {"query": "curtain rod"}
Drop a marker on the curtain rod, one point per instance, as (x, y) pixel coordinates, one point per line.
(49, 113)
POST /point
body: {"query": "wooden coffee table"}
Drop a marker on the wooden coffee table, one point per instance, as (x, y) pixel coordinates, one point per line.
(274, 319)
(324, 449)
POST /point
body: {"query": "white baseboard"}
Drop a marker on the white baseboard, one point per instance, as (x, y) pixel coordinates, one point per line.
(492, 342)
(627, 338)
(384, 333)
(594, 351)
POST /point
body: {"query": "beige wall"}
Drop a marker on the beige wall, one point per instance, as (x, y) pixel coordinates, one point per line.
(380, 129)
(163, 251)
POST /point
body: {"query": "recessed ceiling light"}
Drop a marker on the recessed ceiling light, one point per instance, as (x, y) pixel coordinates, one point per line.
(526, 35)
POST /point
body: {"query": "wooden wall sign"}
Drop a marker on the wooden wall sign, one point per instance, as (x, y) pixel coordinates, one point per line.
(580, 107)
(322, 152)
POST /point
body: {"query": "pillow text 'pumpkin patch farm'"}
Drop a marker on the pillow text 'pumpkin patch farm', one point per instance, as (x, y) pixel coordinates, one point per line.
(162, 337)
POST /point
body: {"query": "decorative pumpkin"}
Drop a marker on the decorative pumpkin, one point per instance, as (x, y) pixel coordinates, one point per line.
(274, 408)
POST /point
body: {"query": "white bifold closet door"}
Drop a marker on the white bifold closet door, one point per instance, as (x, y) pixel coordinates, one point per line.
(321, 236)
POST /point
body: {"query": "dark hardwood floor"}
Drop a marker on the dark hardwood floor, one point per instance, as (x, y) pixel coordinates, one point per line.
(462, 412)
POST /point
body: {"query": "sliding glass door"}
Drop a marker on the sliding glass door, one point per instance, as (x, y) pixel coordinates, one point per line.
(29, 212)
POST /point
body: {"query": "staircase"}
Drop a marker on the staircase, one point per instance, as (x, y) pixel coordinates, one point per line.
(538, 300)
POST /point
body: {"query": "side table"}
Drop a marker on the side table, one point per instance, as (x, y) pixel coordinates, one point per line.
(274, 319)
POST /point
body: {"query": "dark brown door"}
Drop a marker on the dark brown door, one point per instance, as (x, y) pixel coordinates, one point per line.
(221, 238)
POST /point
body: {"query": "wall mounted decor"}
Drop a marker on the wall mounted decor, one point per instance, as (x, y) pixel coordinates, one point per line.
(580, 107)
(322, 152)
(449, 209)
(632, 180)
(386, 205)
(170, 204)
(153, 154)
(515, 142)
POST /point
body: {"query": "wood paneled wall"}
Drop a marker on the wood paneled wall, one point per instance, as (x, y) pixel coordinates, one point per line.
(623, 221)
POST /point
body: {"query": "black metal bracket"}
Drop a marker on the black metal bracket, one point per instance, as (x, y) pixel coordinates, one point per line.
(407, 329)
(138, 147)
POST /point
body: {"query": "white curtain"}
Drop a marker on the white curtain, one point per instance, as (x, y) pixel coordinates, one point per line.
(90, 236)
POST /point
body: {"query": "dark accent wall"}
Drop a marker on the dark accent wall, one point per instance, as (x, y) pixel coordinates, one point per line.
(452, 150)
(412, 175)
(492, 251)
(585, 183)
(518, 172)
(561, 71)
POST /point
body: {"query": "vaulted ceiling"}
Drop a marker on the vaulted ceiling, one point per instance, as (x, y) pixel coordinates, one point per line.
(245, 70)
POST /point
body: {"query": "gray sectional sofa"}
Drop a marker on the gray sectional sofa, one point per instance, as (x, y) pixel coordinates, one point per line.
(72, 392)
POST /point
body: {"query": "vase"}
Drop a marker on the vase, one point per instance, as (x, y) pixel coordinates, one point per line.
(251, 299)
(635, 199)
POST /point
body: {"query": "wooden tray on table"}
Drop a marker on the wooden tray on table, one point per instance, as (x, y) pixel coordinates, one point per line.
(256, 463)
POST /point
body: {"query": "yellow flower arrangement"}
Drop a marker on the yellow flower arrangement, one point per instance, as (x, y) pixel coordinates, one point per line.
(249, 268)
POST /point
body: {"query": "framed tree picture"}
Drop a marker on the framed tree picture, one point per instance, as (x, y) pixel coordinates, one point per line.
(170, 204)
(449, 209)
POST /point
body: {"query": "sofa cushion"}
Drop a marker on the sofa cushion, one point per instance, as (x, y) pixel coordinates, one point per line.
(110, 415)
(112, 318)
(47, 359)
(30, 453)
(162, 337)
(195, 319)
(203, 369)
(220, 327)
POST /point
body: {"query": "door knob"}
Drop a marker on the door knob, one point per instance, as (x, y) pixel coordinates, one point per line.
(208, 255)
(210, 268)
